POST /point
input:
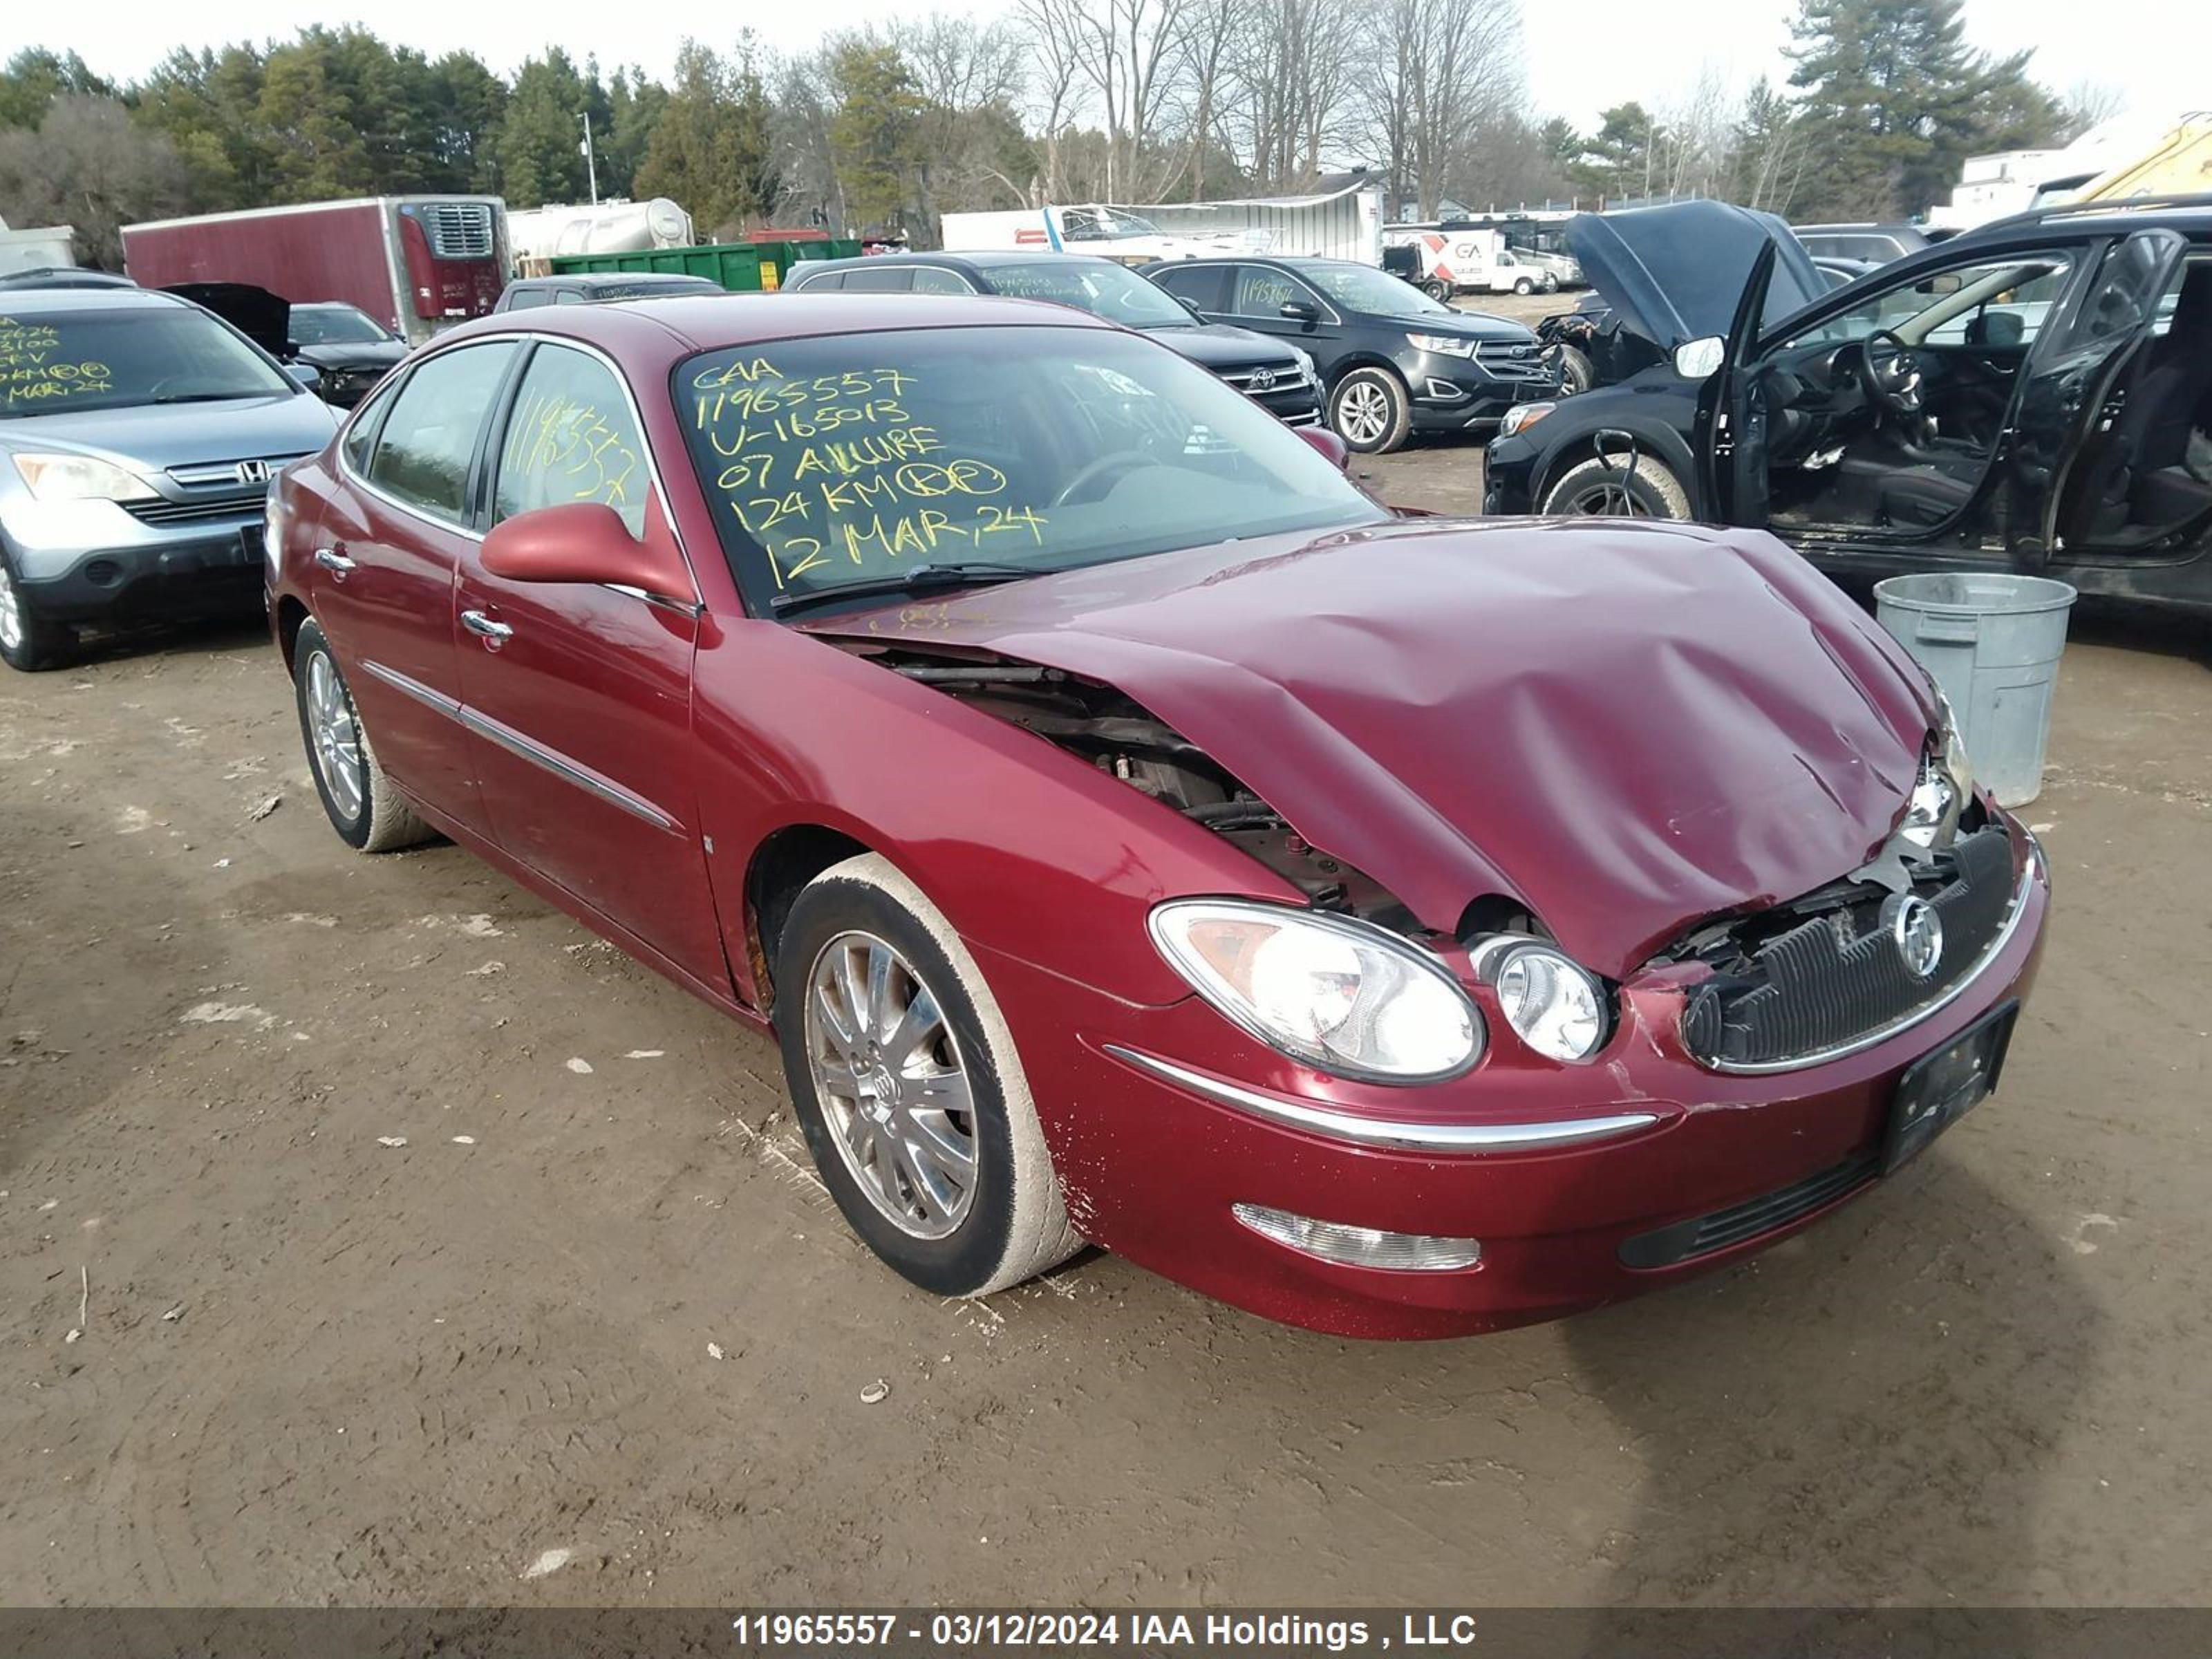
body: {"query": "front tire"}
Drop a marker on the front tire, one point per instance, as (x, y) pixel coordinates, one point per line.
(1370, 411)
(364, 806)
(1522, 286)
(29, 641)
(1607, 489)
(908, 1088)
(1577, 373)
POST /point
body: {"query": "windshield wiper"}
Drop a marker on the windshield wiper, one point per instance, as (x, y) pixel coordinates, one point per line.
(921, 579)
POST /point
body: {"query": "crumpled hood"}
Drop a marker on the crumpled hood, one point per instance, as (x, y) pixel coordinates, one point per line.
(1677, 273)
(1627, 727)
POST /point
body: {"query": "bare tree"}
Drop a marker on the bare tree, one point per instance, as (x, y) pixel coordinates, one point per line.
(1436, 73)
(88, 165)
(2089, 104)
(1293, 63)
(1120, 58)
(969, 76)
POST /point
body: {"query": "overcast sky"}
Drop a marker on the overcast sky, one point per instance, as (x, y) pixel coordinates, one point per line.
(1582, 56)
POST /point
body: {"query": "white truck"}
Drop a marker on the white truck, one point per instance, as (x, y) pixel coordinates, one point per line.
(1112, 233)
(49, 247)
(1464, 261)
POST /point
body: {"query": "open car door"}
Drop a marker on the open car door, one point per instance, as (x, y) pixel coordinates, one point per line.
(1731, 432)
(2069, 437)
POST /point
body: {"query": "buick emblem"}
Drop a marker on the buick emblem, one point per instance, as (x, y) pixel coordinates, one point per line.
(1263, 379)
(1916, 931)
(252, 472)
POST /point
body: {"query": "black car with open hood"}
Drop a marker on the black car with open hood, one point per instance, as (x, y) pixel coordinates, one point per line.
(2033, 396)
(346, 357)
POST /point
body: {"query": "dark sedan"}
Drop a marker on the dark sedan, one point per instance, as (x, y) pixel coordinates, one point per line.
(1279, 377)
(1393, 361)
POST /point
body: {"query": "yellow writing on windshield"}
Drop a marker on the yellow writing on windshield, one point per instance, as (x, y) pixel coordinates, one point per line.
(836, 470)
(34, 364)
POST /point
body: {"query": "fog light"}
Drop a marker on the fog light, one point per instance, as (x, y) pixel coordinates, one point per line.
(1359, 1247)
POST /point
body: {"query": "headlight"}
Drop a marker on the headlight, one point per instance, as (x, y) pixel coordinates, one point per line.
(1945, 785)
(1556, 1006)
(1522, 414)
(1336, 993)
(80, 479)
(1444, 345)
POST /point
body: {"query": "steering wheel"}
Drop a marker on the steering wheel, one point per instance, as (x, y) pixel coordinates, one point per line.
(1890, 371)
(1119, 461)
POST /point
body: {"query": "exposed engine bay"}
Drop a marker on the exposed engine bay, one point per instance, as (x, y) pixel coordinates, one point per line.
(1119, 737)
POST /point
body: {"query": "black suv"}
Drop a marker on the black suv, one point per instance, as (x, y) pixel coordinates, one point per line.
(584, 288)
(2035, 395)
(1279, 378)
(1393, 361)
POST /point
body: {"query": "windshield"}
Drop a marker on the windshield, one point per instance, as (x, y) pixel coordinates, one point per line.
(72, 361)
(1105, 290)
(335, 325)
(1116, 222)
(1364, 288)
(853, 459)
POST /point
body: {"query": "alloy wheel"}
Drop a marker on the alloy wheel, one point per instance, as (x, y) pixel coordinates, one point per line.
(336, 734)
(892, 1085)
(1607, 500)
(1363, 412)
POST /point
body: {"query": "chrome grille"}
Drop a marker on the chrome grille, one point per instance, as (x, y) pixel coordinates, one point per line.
(225, 476)
(1787, 997)
(458, 230)
(1507, 360)
(198, 511)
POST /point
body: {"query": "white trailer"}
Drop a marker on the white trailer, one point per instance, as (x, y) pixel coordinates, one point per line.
(1469, 260)
(49, 247)
(1112, 233)
(608, 228)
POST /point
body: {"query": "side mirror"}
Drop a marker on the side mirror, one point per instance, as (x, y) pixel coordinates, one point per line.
(1189, 305)
(1301, 311)
(585, 542)
(1699, 360)
(1325, 444)
(306, 374)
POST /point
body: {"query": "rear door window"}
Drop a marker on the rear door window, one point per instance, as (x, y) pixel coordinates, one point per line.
(931, 279)
(1201, 285)
(429, 441)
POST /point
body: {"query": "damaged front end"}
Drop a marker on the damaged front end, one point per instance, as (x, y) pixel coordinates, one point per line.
(1109, 730)
(1843, 967)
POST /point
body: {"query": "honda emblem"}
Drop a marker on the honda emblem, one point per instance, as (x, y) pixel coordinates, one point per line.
(252, 472)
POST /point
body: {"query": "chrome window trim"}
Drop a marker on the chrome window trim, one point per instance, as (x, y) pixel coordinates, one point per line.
(525, 748)
(2036, 864)
(1455, 1138)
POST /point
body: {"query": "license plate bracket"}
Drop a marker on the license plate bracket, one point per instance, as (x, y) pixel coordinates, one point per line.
(1939, 1089)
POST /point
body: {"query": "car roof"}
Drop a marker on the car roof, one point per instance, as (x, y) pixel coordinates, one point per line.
(606, 278)
(968, 259)
(22, 302)
(683, 324)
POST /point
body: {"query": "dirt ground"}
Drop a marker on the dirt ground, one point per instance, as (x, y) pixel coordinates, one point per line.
(593, 1335)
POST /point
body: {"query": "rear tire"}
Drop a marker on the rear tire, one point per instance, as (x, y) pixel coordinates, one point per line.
(1370, 411)
(909, 1090)
(29, 641)
(363, 804)
(1437, 289)
(1607, 489)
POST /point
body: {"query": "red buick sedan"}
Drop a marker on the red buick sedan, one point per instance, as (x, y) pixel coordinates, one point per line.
(1133, 834)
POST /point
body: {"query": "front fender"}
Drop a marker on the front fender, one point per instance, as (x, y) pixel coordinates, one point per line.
(1660, 418)
(1028, 850)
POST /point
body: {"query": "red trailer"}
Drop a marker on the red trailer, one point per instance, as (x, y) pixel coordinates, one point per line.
(418, 264)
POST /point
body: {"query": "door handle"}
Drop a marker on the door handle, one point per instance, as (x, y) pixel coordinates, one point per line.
(333, 561)
(483, 626)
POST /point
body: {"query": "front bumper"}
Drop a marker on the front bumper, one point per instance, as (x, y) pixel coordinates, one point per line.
(1451, 395)
(1508, 470)
(96, 561)
(1152, 1165)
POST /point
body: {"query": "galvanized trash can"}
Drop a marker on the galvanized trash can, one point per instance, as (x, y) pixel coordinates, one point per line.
(1992, 642)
